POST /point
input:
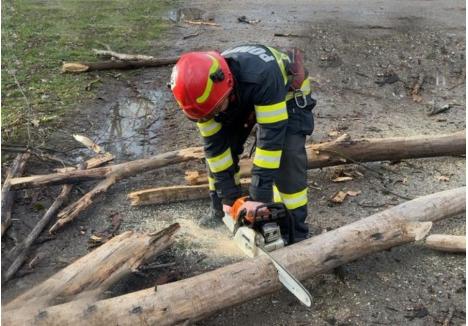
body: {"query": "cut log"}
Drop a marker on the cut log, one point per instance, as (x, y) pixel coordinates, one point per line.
(165, 195)
(122, 170)
(197, 297)
(91, 275)
(8, 197)
(447, 243)
(345, 150)
(79, 67)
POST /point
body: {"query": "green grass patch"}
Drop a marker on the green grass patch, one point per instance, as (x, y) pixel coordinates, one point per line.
(37, 36)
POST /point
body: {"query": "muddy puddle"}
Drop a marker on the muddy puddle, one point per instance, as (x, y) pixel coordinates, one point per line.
(134, 125)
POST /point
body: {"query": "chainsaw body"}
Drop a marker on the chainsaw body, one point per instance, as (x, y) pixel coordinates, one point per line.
(260, 230)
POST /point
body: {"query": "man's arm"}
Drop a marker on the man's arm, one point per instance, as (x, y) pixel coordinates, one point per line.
(219, 160)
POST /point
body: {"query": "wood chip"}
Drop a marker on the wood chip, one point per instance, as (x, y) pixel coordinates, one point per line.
(88, 143)
(342, 179)
(443, 178)
(194, 22)
(353, 193)
(338, 197)
(74, 67)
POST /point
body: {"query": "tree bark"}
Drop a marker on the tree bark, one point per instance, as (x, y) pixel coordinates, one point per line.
(447, 243)
(122, 170)
(8, 196)
(91, 275)
(197, 297)
(79, 67)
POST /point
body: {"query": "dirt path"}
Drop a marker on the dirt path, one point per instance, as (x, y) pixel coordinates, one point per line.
(365, 57)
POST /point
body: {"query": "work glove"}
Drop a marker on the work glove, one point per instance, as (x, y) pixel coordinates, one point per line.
(227, 209)
(250, 207)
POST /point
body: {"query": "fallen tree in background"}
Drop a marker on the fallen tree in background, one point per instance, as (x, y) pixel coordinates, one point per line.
(88, 277)
(119, 61)
(197, 297)
(447, 243)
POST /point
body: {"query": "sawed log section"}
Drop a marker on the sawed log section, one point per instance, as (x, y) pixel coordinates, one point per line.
(88, 277)
(447, 243)
(197, 297)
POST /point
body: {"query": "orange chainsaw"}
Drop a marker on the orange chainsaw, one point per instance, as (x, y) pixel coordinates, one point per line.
(260, 233)
(262, 229)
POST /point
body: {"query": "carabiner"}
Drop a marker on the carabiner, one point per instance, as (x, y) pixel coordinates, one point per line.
(297, 94)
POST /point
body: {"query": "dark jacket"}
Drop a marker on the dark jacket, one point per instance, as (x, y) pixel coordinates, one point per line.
(260, 87)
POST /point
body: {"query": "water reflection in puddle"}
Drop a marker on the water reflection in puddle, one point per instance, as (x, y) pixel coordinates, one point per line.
(134, 125)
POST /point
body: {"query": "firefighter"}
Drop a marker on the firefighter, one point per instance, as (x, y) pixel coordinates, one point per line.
(226, 94)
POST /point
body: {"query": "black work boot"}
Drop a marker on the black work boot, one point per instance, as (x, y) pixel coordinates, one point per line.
(213, 219)
(216, 212)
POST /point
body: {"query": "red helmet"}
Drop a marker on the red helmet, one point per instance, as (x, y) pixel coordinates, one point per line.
(200, 81)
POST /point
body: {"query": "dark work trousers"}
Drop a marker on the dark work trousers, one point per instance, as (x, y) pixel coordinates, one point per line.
(291, 179)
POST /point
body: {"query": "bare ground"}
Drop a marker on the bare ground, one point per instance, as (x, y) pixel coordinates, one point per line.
(365, 57)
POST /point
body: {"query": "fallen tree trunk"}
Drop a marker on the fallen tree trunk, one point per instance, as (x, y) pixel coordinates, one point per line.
(319, 155)
(199, 296)
(447, 243)
(92, 274)
(79, 67)
(8, 196)
(345, 150)
(122, 170)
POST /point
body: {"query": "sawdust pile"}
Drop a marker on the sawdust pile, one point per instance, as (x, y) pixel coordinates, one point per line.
(212, 241)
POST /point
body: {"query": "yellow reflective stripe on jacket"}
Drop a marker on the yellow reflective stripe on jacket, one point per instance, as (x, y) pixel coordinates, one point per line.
(267, 159)
(271, 113)
(305, 88)
(291, 201)
(209, 82)
(211, 184)
(276, 195)
(279, 56)
(237, 178)
(209, 128)
(221, 162)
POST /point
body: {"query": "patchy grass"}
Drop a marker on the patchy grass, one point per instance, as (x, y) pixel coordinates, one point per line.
(38, 35)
